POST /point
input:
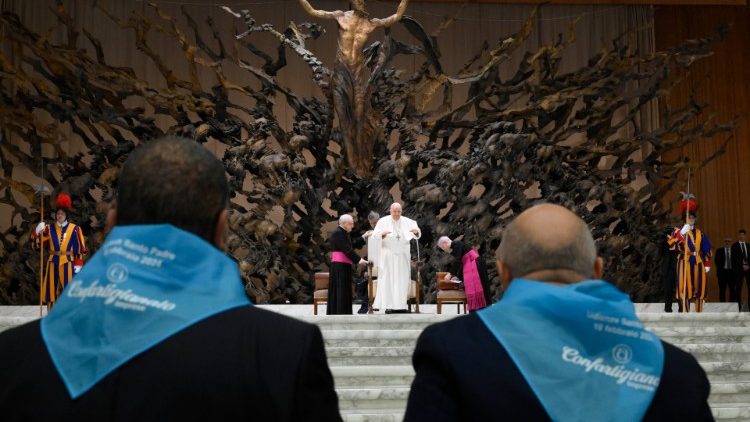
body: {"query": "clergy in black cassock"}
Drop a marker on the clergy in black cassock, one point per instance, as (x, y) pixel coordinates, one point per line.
(340, 276)
(458, 250)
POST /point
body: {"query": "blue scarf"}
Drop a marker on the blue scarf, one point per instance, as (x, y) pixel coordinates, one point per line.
(581, 348)
(145, 284)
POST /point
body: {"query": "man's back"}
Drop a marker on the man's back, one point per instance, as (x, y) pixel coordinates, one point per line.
(245, 363)
(464, 374)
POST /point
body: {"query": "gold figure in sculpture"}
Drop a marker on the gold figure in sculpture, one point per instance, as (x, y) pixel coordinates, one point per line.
(351, 96)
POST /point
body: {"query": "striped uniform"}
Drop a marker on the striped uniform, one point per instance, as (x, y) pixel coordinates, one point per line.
(691, 266)
(65, 246)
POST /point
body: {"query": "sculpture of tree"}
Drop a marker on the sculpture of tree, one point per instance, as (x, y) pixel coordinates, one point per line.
(516, 133)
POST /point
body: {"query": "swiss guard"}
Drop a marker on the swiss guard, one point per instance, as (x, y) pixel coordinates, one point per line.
(66, 247)
(693, 258)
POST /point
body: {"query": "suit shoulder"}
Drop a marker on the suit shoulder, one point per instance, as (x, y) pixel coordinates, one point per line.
(20, 332)
(20, 342)
(461, 326)
(675, 355)
(682, 370)
(273, 321)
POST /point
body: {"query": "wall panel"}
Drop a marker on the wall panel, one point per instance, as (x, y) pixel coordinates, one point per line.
(721, 82)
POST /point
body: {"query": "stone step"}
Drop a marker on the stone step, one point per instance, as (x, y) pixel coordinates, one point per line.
(371, 338)
(729, 392)
(372, 415)
(727, 372)
(414, 321)
(408, 337)
(375, 321)
(731, 411)
(372, 375)
(718, 352)
(373, 397)
(7, 322)
(706, 340)
(355, 356)
(701, 331)
(726, 319)
(703, 335)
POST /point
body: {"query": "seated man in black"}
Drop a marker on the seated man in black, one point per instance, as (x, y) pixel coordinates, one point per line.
(559, 345)
(157, 325)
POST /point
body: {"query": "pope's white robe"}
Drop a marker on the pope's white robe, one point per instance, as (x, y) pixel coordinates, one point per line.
(392, 258)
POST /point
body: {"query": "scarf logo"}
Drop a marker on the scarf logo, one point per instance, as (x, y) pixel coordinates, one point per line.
(622, 354)
(117, 273)
(632, 378)
(111, 295)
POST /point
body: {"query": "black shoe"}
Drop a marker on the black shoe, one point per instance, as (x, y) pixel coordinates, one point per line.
(389, 311)
(362, 309)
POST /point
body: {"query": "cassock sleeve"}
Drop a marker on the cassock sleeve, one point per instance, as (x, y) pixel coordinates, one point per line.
(458, 249)
(315, 398)
(358, 242)
(340, 242)
(433, 393)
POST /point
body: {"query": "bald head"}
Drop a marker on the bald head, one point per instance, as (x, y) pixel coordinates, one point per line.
(549, 238)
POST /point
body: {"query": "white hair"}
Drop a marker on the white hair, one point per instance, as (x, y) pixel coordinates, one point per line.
(444, 239)
(344, 218)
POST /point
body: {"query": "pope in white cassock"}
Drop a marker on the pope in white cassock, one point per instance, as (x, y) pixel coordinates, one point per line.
(389, 249)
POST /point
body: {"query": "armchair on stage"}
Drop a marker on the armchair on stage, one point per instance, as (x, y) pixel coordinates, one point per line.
(449, 292)
(321, 292)
(372, 286)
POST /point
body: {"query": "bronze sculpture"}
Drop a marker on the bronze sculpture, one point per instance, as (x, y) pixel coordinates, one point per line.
(502, 150)
(351, 89)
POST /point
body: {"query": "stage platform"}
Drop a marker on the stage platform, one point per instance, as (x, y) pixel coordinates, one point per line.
(370, 355)
(304, 310)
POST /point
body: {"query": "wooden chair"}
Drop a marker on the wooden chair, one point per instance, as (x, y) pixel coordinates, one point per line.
(372, 287)
(321, 291)
(449, 292)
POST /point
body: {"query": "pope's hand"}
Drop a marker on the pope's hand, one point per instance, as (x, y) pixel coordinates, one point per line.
(415, 231)
(385, 233)
(40, 227)
(686, 228)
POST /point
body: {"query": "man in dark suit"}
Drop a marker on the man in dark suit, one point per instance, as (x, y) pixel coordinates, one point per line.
(163, 284)
(741, 264)
(725, 271)
(470, 369)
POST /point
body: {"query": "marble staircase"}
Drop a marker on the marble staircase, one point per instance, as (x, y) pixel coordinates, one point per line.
(370, 355)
